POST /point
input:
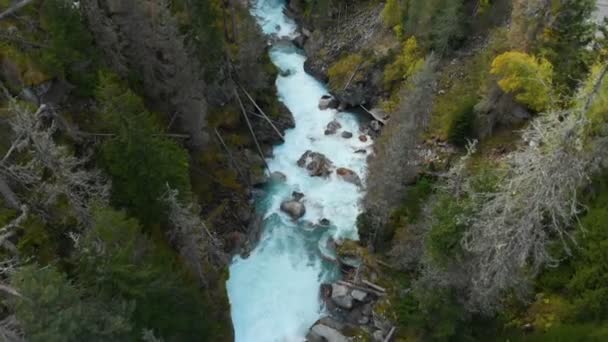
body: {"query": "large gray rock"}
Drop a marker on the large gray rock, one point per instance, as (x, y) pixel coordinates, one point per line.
(323, 333)
(332, 127)
(347, 135)
(341, 296)
(378, 336)
(359, 295)
(317, 164)
(294, 209)
(278, 177)
(349, 176)
(375, 126)
(328, 102)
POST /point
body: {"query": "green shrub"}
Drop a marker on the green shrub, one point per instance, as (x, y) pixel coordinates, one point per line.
(406, 64)
(462, 127)
(462, 93)
(415, 197)
(341, 71)
(443, 241)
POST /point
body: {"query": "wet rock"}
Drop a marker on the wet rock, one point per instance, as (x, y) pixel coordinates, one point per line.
(328, 102)
(378, 336)
(299, 41)
(341, 297)
(297, 195)
(306, 32)
(363, 138)
(375, 125)
(364, 320)
(323, 333)
(325, 290)
(278, 177)
(331, 322)
(324, 222)
(361, 151)
(347, 135)
(285, 73)
(359, 295)
(349, 176)
(294, 209)
(317, 164)
(332, 127)
(381, 323)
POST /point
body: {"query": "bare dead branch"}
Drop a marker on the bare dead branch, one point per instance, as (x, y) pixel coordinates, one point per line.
(13, 9)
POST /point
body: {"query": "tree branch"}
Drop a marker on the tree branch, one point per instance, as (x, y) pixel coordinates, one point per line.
(13, 9)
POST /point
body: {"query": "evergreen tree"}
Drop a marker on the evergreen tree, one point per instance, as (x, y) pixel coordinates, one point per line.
(566, 43)
(52, 309)
(140, 161)
(114, 260)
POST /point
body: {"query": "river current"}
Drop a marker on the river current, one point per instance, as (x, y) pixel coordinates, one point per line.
(274, 292)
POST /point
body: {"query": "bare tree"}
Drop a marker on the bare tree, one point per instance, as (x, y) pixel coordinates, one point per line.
(46, 170)
(394, 163)
(196, 243)
(536, 202)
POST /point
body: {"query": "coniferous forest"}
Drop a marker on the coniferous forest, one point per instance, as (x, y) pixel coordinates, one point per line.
(135, 138)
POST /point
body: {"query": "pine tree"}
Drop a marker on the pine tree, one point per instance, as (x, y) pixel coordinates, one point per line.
(139, 160)
(566, 43)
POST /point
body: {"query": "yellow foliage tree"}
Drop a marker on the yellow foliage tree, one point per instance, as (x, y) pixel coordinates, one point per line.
(406, 64)
(527, 77)
(391, 14)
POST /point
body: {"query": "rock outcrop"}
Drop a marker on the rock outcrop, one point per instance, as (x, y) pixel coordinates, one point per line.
(332, 127)
(328, 102)
(293, 208)
(317, 164)
(349, 176)
(323, 333)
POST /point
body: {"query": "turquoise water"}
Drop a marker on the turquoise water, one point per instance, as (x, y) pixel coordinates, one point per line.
(274, 292)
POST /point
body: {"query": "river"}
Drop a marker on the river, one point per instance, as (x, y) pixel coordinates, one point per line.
(274, 292)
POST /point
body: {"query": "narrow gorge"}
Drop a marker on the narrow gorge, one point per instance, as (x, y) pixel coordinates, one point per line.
(274, 292)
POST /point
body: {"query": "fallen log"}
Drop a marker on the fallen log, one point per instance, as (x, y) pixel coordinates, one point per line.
(255, 139)
(374, 286)
(263, 114)
(390, 334)
(13, 9)
(360, 288)
(374, 115)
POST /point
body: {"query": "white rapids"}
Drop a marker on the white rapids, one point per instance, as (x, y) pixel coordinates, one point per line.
(274, 293)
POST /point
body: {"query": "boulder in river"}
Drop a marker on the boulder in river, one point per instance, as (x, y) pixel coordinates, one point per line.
(322, 333)
(341, 297)
(324, 222)
(317, 164)
(349, 176)
(363, 138)
(347, 135)
(299, 41)
(278, 177)
(332, 127)
(297, 195)
(294, 209)
(375, 125)
(328, 102)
